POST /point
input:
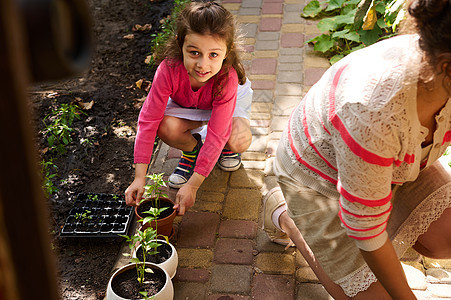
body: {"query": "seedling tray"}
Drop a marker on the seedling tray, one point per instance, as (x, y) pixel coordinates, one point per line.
(98, 215)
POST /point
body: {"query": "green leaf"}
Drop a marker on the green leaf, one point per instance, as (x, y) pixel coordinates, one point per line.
(328, 24)
(353, 36)
(323, 44)
(335, 4)
(369, 37)
(148, 270)
(336, 58)
(340, 34)
(312, 9)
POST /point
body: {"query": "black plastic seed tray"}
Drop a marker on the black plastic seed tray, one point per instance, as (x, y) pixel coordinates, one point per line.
(98, 215)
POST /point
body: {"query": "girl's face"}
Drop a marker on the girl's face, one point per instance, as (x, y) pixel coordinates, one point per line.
(203, 55)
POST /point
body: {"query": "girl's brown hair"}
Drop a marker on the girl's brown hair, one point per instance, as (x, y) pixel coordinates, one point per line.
(206, 18)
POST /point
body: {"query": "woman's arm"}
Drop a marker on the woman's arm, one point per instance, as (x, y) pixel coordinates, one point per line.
(386, 266)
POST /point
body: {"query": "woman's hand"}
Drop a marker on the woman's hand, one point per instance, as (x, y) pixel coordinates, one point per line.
(186, 196)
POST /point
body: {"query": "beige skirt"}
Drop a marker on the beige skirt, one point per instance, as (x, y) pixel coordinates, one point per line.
(415, 206)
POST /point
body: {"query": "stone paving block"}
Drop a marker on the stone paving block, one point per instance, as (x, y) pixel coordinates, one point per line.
(292, 59)
(249, 30)
(316, 62)
(288, 89)
(292, 18)
(284, 105)
(242, 204)
(290, 77)
(264, 96)
(438, 276)
(306, 274)
(259, 123)
(293, 66)
(262, 107)
(266, 286)
(273, 1)
(258, 156)
(262, 85)
(278, 123)
(415, 278)
(251, 3)
(292, 51)
(293, 28)
(250, 11)
(266, 45)
(272, 8)
(216, 181)
(258, 142)
(312, 291)
(194, 258)
(257, 165)
(263, 66)
(266, 54)
(189, 290)
(440, 290)
(231, 1)
(248, 19)
(232, 7)
(208, 196)
(174, 153)
(259, 131)
(192, 275)
(234, 251)
(293, 8)
(270, 24)
(239, 229)
(268, 36)
(198, 230)
(207, 206)
(234, 279)
(275, 263)
(243, 178)
(437, 263)
(228, 297)
(292, 40)
(312, 75)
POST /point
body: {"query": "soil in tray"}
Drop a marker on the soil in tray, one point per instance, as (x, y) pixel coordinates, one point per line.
(164, 252)
(148, 204)
(127, 286)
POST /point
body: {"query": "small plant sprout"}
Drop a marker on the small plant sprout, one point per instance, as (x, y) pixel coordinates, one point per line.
(144, 294)
(93, 197)
(84, 216)
(115, 197)
(154, 190)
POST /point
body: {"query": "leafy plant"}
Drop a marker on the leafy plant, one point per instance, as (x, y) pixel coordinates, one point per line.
(83, 216)
(153, 191)
(48, 168)
(167, 29)
(58, 126)
(352, 24)
(93, 197)
(148, 241)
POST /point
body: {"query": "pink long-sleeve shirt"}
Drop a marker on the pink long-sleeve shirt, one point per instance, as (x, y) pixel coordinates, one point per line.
(171, 80)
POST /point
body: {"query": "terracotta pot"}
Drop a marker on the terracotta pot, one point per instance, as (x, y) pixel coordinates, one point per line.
(170, 265)
(166, 292)
(164, 225)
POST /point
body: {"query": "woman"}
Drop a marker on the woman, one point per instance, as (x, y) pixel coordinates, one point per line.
(358, 166)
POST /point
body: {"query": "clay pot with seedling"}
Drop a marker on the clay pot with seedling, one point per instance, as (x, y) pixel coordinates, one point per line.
(156, 209)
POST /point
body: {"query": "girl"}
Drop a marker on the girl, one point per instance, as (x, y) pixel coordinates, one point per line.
(199, 76)
(357, 164)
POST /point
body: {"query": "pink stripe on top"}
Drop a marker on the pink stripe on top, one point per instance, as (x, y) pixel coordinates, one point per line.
(366, 202)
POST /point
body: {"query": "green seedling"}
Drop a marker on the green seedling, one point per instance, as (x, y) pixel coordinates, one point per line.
(84, 216)
(93, 197)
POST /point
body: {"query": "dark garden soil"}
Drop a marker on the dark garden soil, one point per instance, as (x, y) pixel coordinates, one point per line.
(99, 159)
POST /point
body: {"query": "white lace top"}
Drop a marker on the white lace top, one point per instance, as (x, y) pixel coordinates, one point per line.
(357, 132)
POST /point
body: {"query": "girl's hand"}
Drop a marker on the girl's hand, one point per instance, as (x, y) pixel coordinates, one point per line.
(134, 192)
(185, 198)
